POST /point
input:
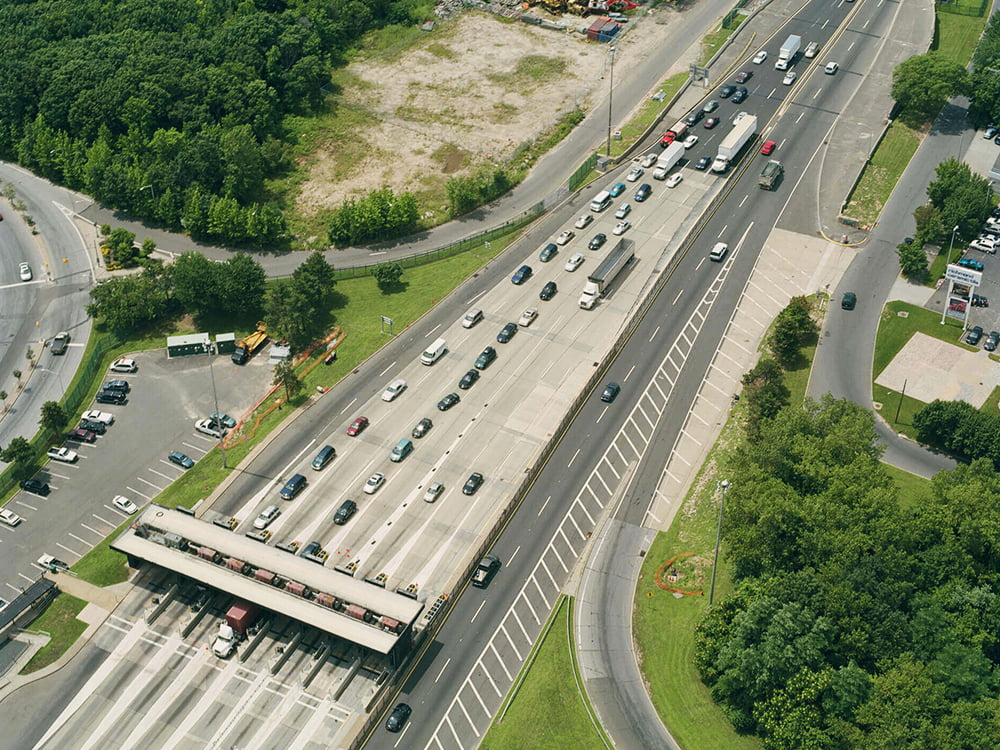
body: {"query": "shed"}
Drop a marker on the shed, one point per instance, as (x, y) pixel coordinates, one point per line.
(280, 352)
(192, 343)
(225, 343)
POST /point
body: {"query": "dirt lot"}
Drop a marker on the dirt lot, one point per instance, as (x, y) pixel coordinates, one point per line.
(468, 93)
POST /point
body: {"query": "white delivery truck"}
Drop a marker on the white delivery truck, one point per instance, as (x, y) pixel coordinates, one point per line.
(668, 159)
(599, 281)
(788, 51)
(733, 143)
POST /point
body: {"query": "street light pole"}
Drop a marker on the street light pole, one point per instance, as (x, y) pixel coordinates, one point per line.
(218, 423)
(725, 484)
(951, 244)
(611, 92)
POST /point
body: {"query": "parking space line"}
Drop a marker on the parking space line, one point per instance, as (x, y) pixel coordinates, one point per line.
(154, 486)
(134, 491)
(173, 466)
(527, 638)
(16, 589)
(513, 645)
(93, 531)
(496, 653)
(29, 580)
(79, 539)
(25, 505)
(72, 552)
(479, 698)
(195, 447)
(528, 605)
(500, 693)
(543, 566)
(576, 526)
(104, 520)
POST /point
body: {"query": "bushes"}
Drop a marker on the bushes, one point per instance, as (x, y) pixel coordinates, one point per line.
(380, 216)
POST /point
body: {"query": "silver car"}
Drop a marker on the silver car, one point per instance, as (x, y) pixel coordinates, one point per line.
(395, 388)
(266, 516)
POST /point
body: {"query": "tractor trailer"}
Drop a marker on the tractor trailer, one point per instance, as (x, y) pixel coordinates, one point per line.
(733, 143)
(668, 159)
(600, 280)
(788, 51)
(239, 618)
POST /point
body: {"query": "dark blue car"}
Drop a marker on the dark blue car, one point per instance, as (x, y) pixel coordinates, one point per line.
(523, 274)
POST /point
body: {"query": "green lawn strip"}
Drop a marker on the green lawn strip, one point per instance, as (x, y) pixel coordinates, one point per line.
(713, 42)
(645, 115)
(898, 415)
(936, 268)
(59, 621)
(546, 711)
(797, 378)
(882, 172)
(957, 36)
(913, 490)
(894, 331)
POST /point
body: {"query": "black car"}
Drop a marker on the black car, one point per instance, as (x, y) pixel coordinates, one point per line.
(740, 96)
(398, 717)
(727, 91)
(694, 117)
(468, 380)
(473, 483)
(448, 401)
(117, 385)
(35, 486)
(975, 333)
(702, 163)
(93, 425)
(611, 391)
(849, 300)
(293, 487)
(597, 241)
(111, 397)
(313, 548)
(507, 333)
(344, 512)
(548, 291)
(485, 358)
(422, 428)
(521, 275)
(991, 341)
(645, 190)
(485, 571)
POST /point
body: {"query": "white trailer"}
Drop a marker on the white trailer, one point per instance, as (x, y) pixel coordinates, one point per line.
(788, 51)
(599, 281)
(733, 143)
(668, 159)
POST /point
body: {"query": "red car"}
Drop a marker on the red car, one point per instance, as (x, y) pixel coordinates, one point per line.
(358, 426)
(768, 147)
(81, 436)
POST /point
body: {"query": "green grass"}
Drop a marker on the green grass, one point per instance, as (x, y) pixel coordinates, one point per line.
(890, 405)
(714, 41)
(797, 378)
(646, 115)
(957, 36)
(882, 172)
(547, 712)
(59, 621)
(894, 331)
(913, 490)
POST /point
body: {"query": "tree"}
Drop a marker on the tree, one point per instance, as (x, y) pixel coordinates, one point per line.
(764, 393)
(939, 420)
(388, 275)
(922, 84)
(196, 283)
(54, 417)
(241, 286)
(930, 228)
(284, 376)
(288, 315)
(912, 260)
(314, 280)
(20, 453)
(127, 303)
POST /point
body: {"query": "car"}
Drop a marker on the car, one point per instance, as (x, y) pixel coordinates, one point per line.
(181, 459)
(357, 426)
(485, 358)
(62, 453)
(727, 91)
(60, 343)
(849, 300)
(645, 190)
(711, 122)
(768, 148)
(832, 67)
(266, 516)
(291, 489)
(621, 227)
(971, 263)
(468, 380)
(997, 140)
(565, 237)
(111, 397)
(398, 717)
(507, 333)
(548, 291)
(743, 76)
(127, 506)
(448, 401)
(210, 428)
(574, 262)
(521, 275)
(649, 160)
(623, 210)
(584, 221)
(123, 365)
(344, 512)
(24, 271)
(81, 436)
(691, 141)
(597, 241)
(472, 484)
(974, 335)
(485, 571)
(122, 386)
(375, 481)
(98, 428)
(611, 391)
(35, 486)
(314, 548)
(760, 57)
(635, 174)
(739, 117)
(990, 134)
(710, 106)
(221, 418)
(617, 189)
(434, 490)
(527, 317)
(9, 517)
(99, 416)
(694, 117)
(789, 78)
(674, 180)
(740, 96)
(702, 164)
(325, 455)
(393, 390)
(423, 427)
(548, 253)
(719, 251)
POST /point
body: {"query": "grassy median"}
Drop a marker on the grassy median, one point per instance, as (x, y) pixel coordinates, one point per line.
(59, 621)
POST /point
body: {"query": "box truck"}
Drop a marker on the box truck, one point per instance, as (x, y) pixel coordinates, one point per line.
(788, 51)
(600, 280)
(733, 143)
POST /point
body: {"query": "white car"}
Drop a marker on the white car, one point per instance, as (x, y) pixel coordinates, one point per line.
(124, 365)
(622, 226)
(375, 481)
(789, 78)
(266, 516)
(623, 210)
(8, 517)
(675, 179)
(24, 271)
(739, 117)
(635, 174)
(649, 160)
(583, 221)
(208, 427)
(395, 388)
(831, 68)
(718, 252)
(96, 415)
(527, 317)
(433, 491)
(690, 141)
(574, 262)
(63, 454)
(565, 237)
(124, 504)
(760, 57)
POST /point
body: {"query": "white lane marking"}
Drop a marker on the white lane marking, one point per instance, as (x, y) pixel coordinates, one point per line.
(544, 505)
(513, 555)
(628, 374)
(601, 415)
(654, 334)
(444, 667)
(427, 335)
(348, 406)
(574, 458)
(387, 369)
(679, 295)
(478, 610)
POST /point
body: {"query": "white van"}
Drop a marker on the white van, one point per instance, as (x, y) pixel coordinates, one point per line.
(601, 201)
(434, 352)
(472, 317)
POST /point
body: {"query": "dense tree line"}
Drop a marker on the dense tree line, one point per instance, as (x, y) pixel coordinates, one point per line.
(381, 215)
(960, 429)
(858, 623)
(984, 86)
(174, 111)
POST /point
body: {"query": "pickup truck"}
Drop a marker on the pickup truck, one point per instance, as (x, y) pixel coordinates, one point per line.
(57, 453)
(486, 569)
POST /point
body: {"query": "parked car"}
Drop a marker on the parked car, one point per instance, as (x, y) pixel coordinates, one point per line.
(423, 427)
(9, 517)
(35, 486)
(98, 428)
(507, 333)
(548, 291)
(181, 459)
(974, 335)
(448, 401)
(100, 416)
(521, 275)
(357, 426)
(221, 418)
(971, 263)
(991, 341)
(61, 453)
(60, 343)
(472, 484)
(527, 317)
(111, 397)
(597, 241)
(124, 504)
(393, 390)
(210, 428)
(122, 386)
(124, 365)
(81, 436)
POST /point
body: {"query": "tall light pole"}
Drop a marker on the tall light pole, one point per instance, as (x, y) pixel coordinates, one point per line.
(216, 420)
(725, 484)
(951, 244)
(611, 92)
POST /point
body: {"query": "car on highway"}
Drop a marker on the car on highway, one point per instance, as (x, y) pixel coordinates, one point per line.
(95, 426)
(691, 141)
(849, 301)
(711, 122)
(521, 275)
(710, 106)
(35, 486)
(527, 317)
(375, 481)
(760, 57)
(398, 717)
(574, 262)
(693, 117)
(123, 365)
(565, 237)
(739, 117)
(702, 164)
(434, 490)
(9, 517)
(291, 489)
(266, 516)
(485, 571)
(727, 91)
(393, 390)
(832, 67)
(80, 435)
(768, 148)
(597, 241)
(111, 397)
(24, 271)
(740, 96)
(210, 428)
(974, 335)
(485, 358)
(743, 76)
(584, 221)
(548, 253)
(62, 453)
(623, 210)
(357, 426)
(610, 393)
(325, 455)
(344, 512)
(621, 227)
(314, 548)
(220, 417)
(674, 180)
(617, 189)
(645, 190)
(992, 341)
(99, 416)
(718, 252)
(507, 333)
(548, 291)
(124, 504)
(448, 401)
(468, 380)
(60, 343)
(649, 160)
(789, 78)
(423, 427)
(472, 484)
(181, 459)
(635, 174)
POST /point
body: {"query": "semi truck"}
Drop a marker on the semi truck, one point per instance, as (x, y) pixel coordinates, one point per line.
(239, 618)
(600, 280)
(247, 347)
(733, 143)
(788, 51)
(771, 175)
(668, 159)
(675, 133)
